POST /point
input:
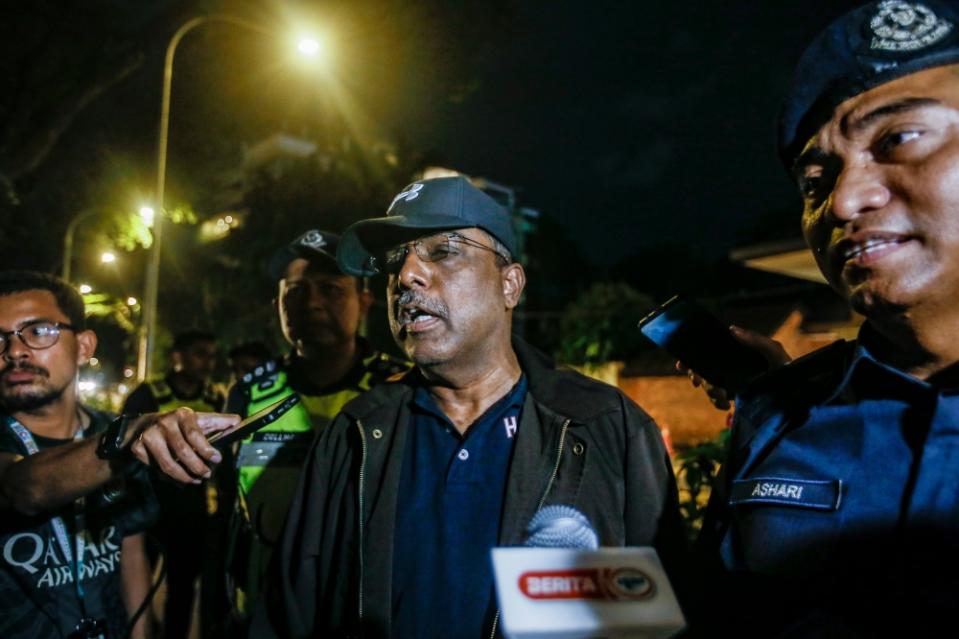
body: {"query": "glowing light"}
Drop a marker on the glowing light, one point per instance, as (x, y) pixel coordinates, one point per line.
(228, 219)
(85, 288)
(108, 257)
(147, 214)
(309, 47)
(131, 301)
(122, 389)
(94, 361)
(87, 386)
(128, 372)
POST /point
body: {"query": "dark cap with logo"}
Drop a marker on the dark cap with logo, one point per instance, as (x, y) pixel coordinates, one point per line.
(314, 244)
(869, 46)
(424, 206)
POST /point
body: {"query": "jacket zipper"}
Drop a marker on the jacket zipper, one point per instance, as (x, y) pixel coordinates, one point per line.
(362, 487)
(542, 500)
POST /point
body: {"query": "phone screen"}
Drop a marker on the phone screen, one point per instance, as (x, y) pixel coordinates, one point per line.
(694, 336)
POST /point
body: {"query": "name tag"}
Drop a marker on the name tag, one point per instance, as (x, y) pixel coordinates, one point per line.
(275, 449)
(803, 493)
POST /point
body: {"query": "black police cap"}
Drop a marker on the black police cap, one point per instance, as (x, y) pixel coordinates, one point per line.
(869, 46)
(311, 245)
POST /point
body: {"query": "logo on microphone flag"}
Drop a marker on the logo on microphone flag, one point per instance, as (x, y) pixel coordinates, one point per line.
(613, 584)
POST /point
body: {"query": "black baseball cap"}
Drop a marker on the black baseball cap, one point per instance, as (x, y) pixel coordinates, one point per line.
(425, 205)
(311, 245)
(871, 45)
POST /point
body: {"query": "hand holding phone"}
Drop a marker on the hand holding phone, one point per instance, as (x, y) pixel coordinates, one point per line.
(254, 422)
(691, 334)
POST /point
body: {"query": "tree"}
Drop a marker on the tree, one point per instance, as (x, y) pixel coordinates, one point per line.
(600, 326)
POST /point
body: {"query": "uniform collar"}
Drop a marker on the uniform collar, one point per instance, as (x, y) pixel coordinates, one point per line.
(869, 377)
(296, 366)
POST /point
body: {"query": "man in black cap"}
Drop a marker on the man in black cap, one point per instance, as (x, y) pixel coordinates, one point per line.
(406, 493)
(838, 510)
(320, 311)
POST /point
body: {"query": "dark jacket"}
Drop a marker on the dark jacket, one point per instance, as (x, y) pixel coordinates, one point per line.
(579, 442)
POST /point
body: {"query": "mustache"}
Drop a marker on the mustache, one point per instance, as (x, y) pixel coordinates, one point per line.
(431, 306)
(23, 366)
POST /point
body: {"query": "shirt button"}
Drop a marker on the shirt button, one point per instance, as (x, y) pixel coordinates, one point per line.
(463, 454)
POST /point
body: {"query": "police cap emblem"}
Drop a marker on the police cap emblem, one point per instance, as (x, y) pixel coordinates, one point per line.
(313, 239)
(905, 26)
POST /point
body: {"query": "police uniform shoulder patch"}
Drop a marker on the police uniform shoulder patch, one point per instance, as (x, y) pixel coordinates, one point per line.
(265, 373)
(815, 370)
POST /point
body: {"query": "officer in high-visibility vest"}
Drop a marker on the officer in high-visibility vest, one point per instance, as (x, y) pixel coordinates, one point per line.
(184, 510)
(320, 312)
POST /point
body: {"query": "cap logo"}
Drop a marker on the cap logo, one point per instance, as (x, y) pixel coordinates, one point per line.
(313, 240)
(411, 193)
(906, 26)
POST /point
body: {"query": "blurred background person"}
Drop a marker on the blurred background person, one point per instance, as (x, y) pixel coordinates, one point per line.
(247, 356)
(185, 511)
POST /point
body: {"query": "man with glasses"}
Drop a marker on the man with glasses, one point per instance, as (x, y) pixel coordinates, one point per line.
(415, 481)
(73, 500)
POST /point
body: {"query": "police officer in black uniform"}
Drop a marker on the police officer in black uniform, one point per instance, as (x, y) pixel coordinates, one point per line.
(185, 510)
(320, 311)
(837, 512)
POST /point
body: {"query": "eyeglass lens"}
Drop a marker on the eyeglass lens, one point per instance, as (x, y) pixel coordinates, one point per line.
(38, 335)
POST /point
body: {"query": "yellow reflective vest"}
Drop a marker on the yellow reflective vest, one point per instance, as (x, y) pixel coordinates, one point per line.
(268, 463)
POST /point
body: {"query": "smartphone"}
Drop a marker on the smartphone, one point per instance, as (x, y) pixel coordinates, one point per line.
(694, 336)
(254, 422)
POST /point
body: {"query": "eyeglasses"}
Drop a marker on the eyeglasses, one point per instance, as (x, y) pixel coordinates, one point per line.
(434, 248)
(37, 335)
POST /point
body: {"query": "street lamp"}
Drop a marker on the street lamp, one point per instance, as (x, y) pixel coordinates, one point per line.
(147, 214)
(108, 257)
(147, 338)
(68, 240)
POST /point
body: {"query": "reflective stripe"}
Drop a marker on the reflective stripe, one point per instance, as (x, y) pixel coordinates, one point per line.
(167, 401)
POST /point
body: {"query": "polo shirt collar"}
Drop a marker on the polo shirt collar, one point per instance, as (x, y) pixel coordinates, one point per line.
(423, 400)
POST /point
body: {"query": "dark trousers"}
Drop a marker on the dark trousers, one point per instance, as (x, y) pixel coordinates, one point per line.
(181, 532)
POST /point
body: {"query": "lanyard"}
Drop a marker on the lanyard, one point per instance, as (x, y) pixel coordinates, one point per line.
(59, 527)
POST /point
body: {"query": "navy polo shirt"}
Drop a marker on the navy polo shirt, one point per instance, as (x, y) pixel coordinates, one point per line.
(448, 516)
(860, 499)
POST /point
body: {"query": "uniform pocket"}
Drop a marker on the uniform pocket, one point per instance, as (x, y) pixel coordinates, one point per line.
(786, 525)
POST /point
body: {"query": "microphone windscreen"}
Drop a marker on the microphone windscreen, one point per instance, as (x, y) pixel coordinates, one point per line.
(560, 526)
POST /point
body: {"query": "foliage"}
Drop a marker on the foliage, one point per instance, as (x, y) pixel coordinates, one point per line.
(696, 472)
(107, 307)
(600, 325)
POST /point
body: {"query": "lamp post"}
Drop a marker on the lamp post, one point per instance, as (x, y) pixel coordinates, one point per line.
(68, 241)
(147, 337)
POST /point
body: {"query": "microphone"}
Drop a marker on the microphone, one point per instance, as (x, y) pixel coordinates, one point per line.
(561, 584)
(561, 526)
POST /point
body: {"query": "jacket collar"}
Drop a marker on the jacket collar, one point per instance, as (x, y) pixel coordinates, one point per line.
(559, 390)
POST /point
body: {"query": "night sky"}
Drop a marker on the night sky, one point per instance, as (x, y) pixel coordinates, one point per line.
(638, 123)
(635, 125)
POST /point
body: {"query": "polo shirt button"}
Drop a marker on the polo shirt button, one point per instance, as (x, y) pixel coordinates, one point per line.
(377, 433)
(578, 448)
(463, 454)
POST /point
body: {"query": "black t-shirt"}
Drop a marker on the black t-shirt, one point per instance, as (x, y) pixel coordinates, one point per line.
(38, 598)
